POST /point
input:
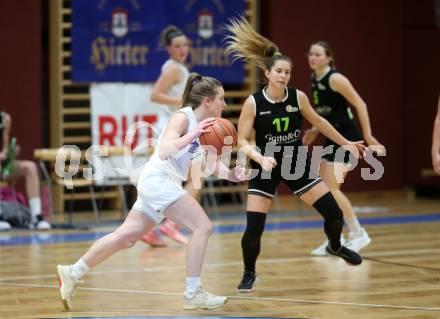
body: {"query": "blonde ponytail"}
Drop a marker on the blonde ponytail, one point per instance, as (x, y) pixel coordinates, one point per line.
(247, 44)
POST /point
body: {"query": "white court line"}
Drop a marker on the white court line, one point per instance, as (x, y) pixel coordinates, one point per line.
(352, 304)
(401, 252)
(304, 301)
(234, 263)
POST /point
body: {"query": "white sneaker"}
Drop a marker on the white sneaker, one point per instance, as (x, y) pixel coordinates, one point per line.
(4, 225)
(67, 285)
(203, 300)
(43, 225)
(40, 224)
(321, 250)
(357, 242)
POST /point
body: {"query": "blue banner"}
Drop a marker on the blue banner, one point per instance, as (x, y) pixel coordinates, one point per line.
(119, 40)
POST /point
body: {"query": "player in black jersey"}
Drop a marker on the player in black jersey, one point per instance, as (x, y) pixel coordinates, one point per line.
(332, 93)
(275, 113)
(435, 149)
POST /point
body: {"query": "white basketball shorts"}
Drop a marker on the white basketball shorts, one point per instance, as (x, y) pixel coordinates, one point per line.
(156, 191)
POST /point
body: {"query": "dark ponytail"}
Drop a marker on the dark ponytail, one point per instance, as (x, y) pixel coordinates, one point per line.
(168, 34)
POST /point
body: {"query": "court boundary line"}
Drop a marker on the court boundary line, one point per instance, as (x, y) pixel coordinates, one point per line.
(289, 300)
(368, 256)
(63, 238)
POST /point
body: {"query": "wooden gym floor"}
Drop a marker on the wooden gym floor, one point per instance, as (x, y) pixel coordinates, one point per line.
(400, 276)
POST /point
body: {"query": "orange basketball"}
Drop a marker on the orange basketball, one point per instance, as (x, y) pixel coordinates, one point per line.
(221, 133)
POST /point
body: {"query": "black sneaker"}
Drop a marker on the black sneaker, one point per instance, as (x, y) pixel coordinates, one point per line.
(350, 256)
(247, 282)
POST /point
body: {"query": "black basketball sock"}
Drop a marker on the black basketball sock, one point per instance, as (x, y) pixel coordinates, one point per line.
(333, 219)
(250, 243)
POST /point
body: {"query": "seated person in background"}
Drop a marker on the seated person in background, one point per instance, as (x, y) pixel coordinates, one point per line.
(13, 170)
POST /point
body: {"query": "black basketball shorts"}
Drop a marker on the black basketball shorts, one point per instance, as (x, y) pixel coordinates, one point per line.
(293, 169)
(334, 152)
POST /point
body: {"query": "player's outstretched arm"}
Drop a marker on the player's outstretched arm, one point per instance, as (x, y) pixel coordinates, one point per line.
(324, 126)
(343, 86)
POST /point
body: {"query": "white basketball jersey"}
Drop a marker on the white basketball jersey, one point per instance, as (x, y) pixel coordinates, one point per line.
(178, 165)
(177, 89)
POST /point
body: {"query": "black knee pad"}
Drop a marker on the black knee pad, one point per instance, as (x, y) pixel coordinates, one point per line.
(254, 228)
(328, 208)
(255, 223)
(250, 243)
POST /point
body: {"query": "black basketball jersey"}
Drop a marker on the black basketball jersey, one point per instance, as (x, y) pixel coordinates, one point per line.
(277, 123)
(330, 104)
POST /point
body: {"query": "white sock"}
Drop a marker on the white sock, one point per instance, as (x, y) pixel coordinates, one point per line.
(79, 269)
(354, 227)
(35, 206)
(192, 285)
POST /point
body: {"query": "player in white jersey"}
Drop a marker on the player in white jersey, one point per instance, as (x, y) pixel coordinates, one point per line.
(169, 87)
(160, 194)
(168, 91)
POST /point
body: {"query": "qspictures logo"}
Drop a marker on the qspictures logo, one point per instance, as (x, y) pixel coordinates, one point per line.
(292, 160)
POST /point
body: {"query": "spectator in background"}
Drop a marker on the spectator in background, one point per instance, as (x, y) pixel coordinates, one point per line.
(13, 170)
(435, 149)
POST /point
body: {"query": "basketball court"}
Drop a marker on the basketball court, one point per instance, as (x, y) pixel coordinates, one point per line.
(399, 277)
